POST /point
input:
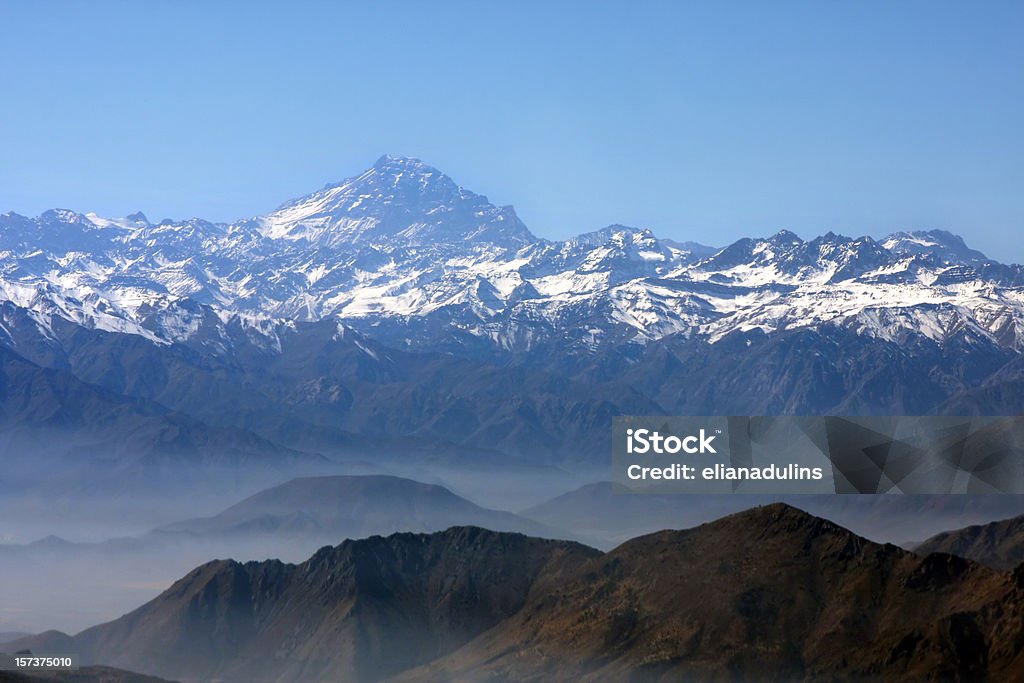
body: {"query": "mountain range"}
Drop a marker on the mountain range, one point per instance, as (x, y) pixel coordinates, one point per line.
(54, 582)
(771, 593)
(404, 251)
(397, 315)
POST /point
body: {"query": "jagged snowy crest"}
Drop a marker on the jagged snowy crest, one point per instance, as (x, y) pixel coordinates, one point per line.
(403, 252)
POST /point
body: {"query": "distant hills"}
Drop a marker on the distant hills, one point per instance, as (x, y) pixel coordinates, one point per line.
(76, 584)
(360, 611)
(770, 593)
(73, 437)
(596, 511)
(996, 544)
(338, 507)
(56, 582)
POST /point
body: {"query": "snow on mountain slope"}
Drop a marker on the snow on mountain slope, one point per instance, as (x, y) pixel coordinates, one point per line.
(403, 201)
(404, 253)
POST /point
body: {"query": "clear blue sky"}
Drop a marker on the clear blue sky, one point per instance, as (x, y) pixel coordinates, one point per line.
(703, 120)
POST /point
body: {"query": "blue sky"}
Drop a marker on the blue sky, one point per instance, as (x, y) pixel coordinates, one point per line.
(705, 121)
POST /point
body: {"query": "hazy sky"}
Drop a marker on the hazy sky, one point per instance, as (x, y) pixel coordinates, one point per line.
(704, 120)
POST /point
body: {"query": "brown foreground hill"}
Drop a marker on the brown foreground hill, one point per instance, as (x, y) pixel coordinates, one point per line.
(998, 544)
(361, 611)
(770, 594)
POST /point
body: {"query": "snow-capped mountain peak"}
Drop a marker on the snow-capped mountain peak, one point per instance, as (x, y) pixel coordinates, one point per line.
(939, 244)
(602, 236)
(398, 200)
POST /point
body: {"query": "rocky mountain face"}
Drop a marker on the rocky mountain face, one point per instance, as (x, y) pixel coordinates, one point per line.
(360, 611)
(996, 544)
(768, 594)
(398, 306)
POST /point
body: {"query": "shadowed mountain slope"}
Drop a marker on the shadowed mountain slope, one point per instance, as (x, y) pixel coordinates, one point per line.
(50, 420)
(998, 544)
(359, 611)
(772, 593)
(769, 594)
